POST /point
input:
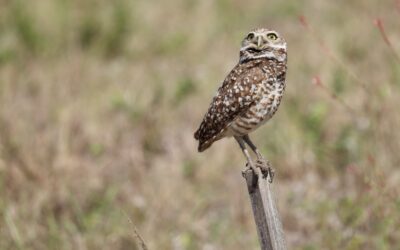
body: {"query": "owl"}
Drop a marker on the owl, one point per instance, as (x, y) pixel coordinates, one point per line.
(250, 94)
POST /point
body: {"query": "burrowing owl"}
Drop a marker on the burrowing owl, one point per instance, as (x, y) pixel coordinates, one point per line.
(250, 94)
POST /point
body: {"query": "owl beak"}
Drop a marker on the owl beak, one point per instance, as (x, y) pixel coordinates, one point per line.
(259, 41)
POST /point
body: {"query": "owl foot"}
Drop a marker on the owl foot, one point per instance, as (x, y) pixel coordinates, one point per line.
(249, 166)
(266, 169)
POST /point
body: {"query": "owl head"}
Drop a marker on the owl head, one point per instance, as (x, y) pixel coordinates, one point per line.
(263, 43)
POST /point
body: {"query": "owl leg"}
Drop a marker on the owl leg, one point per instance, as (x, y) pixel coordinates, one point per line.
(245, 152)
(253, 147)
(262, 163)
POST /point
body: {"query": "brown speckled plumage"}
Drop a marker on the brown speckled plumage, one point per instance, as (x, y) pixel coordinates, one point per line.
(249, 96)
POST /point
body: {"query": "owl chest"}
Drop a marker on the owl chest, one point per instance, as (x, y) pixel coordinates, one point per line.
(271, 93)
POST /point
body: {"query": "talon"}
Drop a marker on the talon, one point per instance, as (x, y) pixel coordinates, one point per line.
(266, 169)
(271, 173)
(252, 166)
(264, 162)
(263, 167)
(246, 169)
(249, 166)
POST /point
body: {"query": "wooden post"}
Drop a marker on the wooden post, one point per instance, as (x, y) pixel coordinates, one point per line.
(269, 226)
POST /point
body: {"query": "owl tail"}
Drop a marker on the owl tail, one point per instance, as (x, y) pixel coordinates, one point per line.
(203, 145)
(196, 134)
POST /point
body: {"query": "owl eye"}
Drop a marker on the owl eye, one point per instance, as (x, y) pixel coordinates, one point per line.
(250, 36)
(272, 36)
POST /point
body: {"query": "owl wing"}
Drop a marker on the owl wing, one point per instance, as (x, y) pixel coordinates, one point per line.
(239, 91)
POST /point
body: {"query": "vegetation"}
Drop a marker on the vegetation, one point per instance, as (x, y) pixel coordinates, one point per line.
(99, 101)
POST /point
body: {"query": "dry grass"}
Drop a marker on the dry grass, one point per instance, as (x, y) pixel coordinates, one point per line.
(99, 101)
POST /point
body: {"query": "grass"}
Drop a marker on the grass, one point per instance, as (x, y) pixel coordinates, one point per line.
(99, 101)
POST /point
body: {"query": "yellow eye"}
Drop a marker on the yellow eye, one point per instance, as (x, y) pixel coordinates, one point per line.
(250, 36)
(272, 36)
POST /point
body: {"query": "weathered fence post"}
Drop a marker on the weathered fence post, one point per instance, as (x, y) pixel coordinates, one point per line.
(269, 226)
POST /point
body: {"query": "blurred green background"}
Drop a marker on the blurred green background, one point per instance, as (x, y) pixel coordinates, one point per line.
(99, 101)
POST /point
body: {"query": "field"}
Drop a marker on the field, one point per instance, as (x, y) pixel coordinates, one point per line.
(99, 101)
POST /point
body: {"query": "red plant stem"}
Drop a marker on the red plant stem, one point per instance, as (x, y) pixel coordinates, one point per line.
(321, 43)
(398, 6)
(329, 53)
(317, 81)
(379, 24)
